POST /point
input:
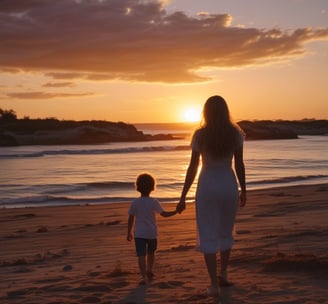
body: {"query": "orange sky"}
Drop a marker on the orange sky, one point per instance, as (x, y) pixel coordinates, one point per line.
(152, 61)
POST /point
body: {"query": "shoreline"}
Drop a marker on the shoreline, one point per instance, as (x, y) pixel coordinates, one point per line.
(115, 201)
(79, 254)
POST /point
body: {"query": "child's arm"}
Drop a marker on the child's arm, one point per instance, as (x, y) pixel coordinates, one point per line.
(130, 225)
(168, 213)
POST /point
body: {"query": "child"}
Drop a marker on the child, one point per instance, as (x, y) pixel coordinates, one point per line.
(142, 217)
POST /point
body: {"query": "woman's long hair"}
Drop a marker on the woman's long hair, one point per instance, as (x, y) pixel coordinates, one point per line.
(219, 135)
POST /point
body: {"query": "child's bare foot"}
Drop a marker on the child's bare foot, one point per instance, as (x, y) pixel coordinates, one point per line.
(212, 291)
(223, 282)
(150, 276)
(143, 281)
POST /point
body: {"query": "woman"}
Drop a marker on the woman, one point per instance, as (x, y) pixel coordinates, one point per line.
(217, 142)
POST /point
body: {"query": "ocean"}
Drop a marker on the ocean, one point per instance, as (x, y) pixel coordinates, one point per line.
(101, 174)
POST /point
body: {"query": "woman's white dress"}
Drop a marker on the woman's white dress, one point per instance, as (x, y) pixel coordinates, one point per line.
(216, 202)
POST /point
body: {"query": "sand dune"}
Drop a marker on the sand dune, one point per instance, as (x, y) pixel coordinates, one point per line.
(79, 254)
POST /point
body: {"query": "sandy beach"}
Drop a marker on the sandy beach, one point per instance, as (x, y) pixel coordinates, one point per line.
(79, 254)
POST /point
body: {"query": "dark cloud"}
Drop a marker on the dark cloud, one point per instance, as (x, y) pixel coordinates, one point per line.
(133, 40)
(46, 95)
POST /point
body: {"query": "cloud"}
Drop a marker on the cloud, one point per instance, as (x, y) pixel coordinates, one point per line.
(133, 40)
(58, 84)
(46, 95)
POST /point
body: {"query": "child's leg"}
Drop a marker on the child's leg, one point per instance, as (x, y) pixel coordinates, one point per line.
(141, 248)
(152, 246)
(150, 261)
(142, 266)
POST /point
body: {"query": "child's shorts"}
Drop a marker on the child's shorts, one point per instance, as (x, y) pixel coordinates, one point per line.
(144, 246)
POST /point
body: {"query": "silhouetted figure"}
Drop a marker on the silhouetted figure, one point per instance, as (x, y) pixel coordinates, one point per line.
(217, 142)
(142, 217)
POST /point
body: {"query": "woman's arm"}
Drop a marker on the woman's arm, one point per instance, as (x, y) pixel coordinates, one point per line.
(240, 171)
(189, 179)
(168, 213)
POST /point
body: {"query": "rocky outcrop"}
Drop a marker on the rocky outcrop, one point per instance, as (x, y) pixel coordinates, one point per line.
(71, 133)
(264, 131)
(283, 129)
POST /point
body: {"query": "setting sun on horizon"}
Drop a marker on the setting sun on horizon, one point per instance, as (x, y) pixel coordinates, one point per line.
(191, 115)
(164, 54)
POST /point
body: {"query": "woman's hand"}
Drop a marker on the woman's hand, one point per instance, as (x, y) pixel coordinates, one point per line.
(129, 237)
(181, 205)
(242, 199)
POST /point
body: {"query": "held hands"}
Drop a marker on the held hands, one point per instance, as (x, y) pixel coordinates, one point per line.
(181, 205)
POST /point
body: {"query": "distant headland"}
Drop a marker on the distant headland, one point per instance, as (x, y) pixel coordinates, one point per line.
(283, 129)
(51, 131)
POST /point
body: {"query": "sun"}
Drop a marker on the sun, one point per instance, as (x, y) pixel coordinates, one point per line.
(191, 115)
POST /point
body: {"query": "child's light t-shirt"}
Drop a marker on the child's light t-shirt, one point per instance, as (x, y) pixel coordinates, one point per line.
(144, 209)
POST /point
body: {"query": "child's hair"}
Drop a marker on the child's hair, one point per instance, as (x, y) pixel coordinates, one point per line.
(145, 183)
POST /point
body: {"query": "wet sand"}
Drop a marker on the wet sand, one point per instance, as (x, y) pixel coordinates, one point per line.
(79, 254)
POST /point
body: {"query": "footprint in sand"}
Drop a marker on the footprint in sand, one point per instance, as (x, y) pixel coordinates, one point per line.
(195, 298)
(169, 284)
(67, 268)
(90, 299)
(17, 293)
(94, 273)
(119, 284)
(42, 229)
(94, 288)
